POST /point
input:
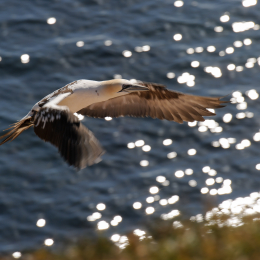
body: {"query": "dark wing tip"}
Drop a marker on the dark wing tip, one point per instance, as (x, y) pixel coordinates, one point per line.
(76, 144)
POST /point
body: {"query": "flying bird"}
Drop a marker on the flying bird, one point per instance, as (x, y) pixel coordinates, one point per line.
(54, 118)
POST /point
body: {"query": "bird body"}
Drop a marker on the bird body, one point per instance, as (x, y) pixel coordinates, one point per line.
(54, 121)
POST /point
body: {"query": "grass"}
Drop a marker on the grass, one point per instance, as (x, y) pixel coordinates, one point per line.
(194, 241)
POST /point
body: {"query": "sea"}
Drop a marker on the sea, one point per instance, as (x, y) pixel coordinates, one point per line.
(151, 167)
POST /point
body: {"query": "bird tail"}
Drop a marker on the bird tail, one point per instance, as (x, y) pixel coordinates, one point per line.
(16, 129)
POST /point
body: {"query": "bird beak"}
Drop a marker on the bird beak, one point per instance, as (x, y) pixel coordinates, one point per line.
(133, 88)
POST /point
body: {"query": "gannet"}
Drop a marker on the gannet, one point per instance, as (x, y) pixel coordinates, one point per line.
(54, 117)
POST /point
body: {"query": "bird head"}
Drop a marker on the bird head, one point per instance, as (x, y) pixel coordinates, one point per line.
(122, 86)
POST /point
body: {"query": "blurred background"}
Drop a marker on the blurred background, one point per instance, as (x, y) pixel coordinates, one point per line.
(152, 168)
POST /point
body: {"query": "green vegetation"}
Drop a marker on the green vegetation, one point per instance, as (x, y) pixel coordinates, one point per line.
(193, 241)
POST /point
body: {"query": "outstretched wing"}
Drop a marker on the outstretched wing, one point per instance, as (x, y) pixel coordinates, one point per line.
(158, 102)
(77, 145)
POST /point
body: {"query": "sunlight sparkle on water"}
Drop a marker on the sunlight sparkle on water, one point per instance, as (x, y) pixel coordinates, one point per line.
(224, 143)
(202, 128)
(249, 65)
(239, 68)
(231, 140)
(41, 222)
(16, 254)
(137, 205)
(149, 210)
(51, 20)
(211, 48)
(188, 171)
(248, 3)
(242, 26)
(131, 145)
(167, 142)
(108, 118)
(48, 242)
(192, 183)
(102, 225)
(150, 199)
(242, 106)
(212, 172)
(192, 124)
(108, 43)
(238, 44)
(224, 18)
(115, 237)
(146, 48)
(195, 64)
(246, 143)
(80, 44)
(178, 3)
(210, 181)
(173, 199)
(247, 41)
(144, 163)
(179, 174)
(240, 115)
(177, 37)
(230, 50)
(252, 94)
(256, 137)
(170, 215)
(218, 29)
(219, 179)
(101, 206)
(215, 71)
(146, 148)
(227, 118)
(127, 53)
(192, 152)
(25, 58)
(199, 49)
(231, 66)
(171, 155)
(213, 192)
(190, 51)
(139, 143)
(160, 179)
(206, 169)
(154, 190)
(138, 49)
(163, 202)
(94, 216)
(170, 75)
(204, 190)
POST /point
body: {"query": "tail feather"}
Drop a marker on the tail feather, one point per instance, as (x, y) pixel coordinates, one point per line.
(16, 129)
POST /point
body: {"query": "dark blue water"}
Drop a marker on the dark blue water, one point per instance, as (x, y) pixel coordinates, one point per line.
(34, 180)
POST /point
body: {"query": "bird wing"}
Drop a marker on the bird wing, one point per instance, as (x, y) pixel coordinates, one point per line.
(77, 145)
(157, 102)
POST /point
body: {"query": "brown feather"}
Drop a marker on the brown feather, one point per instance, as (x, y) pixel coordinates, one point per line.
(16, 129)
(158, 102)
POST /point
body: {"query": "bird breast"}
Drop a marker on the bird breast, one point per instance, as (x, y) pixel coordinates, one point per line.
(82, 98)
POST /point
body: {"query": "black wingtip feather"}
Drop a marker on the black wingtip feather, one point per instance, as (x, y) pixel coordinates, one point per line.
(76, 144)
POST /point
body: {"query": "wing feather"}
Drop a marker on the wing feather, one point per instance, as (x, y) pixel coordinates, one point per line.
(76, 144)
(158, 102)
